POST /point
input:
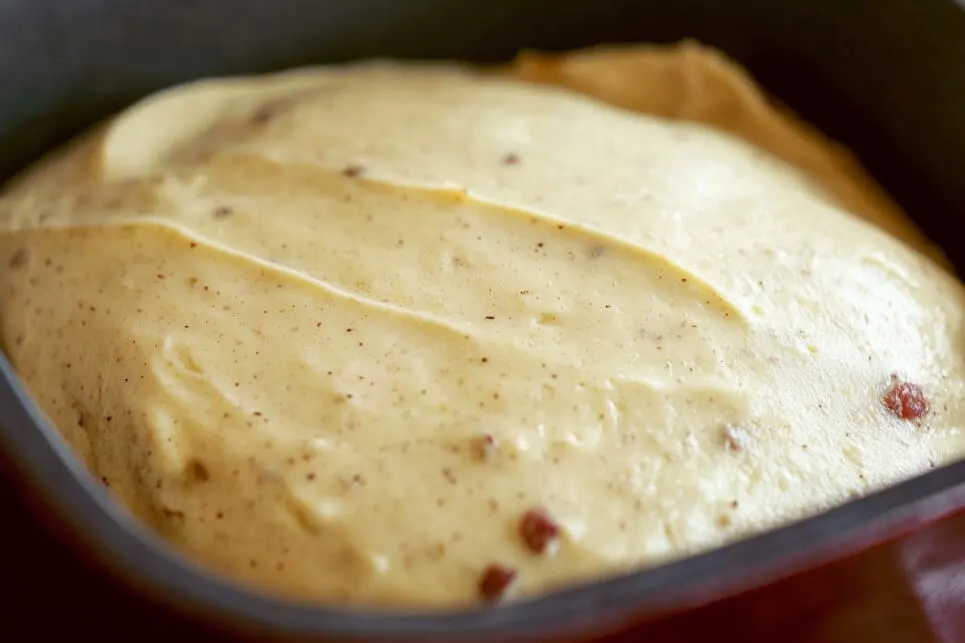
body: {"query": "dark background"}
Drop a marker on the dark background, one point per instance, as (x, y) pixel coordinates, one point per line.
(52, 595)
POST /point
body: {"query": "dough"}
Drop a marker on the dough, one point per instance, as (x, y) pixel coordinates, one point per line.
(423, 335)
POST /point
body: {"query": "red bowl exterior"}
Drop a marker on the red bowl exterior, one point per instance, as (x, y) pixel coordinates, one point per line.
(907, 588)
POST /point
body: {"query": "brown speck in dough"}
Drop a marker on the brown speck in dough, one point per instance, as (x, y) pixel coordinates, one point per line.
(511, 158)
(20, 258)
(905, 400)
(539, 531)
(495, 582)
(449, 475)
(485, 447)
(263, 114)
(595, 252)
(353, 171)
(734, 438)
(223, 212)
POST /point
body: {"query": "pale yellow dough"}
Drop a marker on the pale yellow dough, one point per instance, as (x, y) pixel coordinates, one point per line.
(275, 316)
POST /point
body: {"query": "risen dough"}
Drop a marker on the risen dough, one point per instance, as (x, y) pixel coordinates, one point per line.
(334, 332)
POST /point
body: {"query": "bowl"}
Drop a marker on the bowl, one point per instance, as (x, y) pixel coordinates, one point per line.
(884, 77)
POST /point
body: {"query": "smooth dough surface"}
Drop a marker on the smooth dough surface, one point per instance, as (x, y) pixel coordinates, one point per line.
(333, 332)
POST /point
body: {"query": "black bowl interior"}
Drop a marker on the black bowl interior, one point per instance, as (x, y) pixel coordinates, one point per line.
(884, 76)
